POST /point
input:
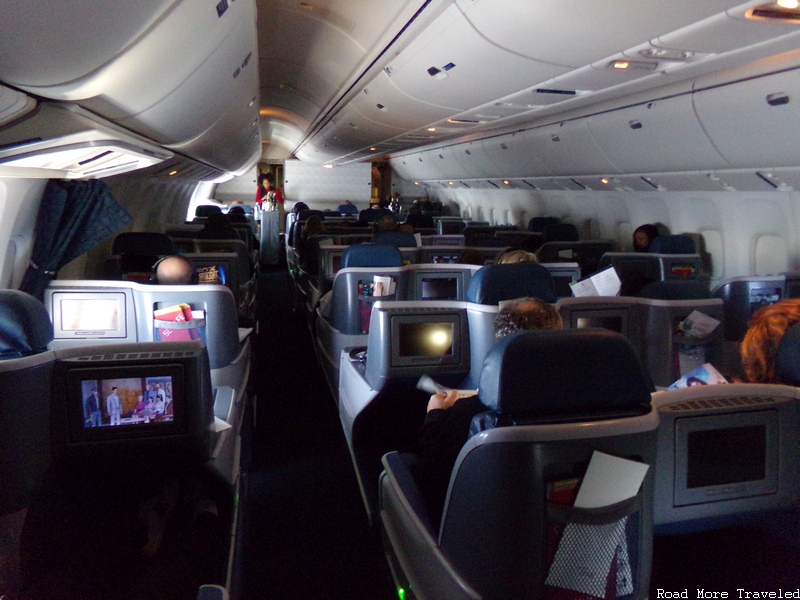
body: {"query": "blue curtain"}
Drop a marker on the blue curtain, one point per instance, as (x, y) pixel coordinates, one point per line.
(73, 217)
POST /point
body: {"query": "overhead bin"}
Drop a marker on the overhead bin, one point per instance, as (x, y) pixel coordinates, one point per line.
(452, 63)
(762, 111)
(67, 142)
(663, 135)
(568, 149)
(14, 104)
(514, 155)
(171, 71)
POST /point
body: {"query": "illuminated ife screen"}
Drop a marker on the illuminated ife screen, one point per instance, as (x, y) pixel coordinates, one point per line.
(426, 339)
(128, 401)
(89, 315)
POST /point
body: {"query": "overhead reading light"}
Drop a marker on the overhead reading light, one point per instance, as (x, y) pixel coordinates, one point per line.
(782, 10)
(431, 128)
(632, 65)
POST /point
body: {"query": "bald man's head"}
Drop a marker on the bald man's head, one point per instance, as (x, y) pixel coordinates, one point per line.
(174, 270)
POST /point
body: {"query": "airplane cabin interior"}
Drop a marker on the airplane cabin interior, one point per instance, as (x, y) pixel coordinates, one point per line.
(244, 242)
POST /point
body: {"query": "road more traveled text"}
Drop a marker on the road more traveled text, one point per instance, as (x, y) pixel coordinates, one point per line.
(740, 593)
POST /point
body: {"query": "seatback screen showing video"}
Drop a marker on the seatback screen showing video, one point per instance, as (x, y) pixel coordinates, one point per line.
(127, 402)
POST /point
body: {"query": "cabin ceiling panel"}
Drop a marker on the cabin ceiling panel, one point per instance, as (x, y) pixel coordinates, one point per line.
(304, 57)
(762, 112)
(542, 31)
(663, 135)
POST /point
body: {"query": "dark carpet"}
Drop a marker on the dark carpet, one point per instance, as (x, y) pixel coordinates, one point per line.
(306, 533)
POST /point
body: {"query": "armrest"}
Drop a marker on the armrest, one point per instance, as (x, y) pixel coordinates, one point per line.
(411, 537)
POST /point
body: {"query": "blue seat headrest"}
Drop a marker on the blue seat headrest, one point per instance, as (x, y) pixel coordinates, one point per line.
(494, 283)
(672, 244)
(547, 372)
(787, 359)
(25, 326)
(398, 239)
(676, 289)
(371, 255)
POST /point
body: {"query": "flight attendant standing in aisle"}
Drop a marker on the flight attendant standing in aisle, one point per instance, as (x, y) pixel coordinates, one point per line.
(269, 197)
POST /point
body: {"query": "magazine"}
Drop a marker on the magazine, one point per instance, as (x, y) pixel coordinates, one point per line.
(703, 375)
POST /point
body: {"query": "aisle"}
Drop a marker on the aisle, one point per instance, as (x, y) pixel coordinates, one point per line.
(307, 532)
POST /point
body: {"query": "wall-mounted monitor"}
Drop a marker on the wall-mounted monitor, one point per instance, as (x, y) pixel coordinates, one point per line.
(331, 262)
(726, 456)
(615, 319)
(89, 315)
(428, 341)
(615, 313)
(411, 341)
(132, 398)
(563, 275)
(725, 452)
(742, 296)
(438, 287)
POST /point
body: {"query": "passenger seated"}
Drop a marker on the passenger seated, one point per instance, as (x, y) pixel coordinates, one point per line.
(347, 209)
(448, 418)
(761, 347)
(416, 219)
(387, 233)
(246, 209)
(299, 207)
(511, 257)
(643, 236)
(218, 227)
(174, 270)
(307, 252)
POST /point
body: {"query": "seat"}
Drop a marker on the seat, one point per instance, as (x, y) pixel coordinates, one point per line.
(206, 210)
(560, 232)
(539, 223)
(371, 255)
(586, 253)
(135, 252)
(672, 244)
(489, 286)
(25, 326)
(344, 315)
(499, 536)
(450, 226)
(26, 371)
(398, 239)
(676, 290)
(494, 283)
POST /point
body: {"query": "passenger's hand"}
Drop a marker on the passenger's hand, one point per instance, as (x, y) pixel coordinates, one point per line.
(442, 401)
